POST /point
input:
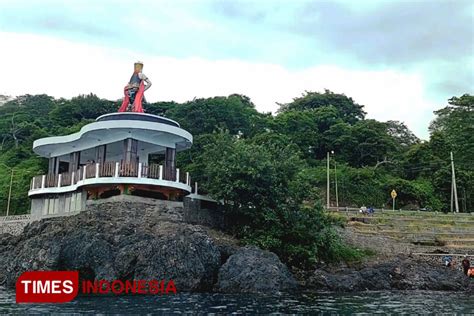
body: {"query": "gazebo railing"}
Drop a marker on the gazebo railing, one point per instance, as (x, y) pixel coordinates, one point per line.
(108, 169)
(66, 179)
(91, 171)
(129, 169)
(155, 171)
(51, 180)
(37, 182)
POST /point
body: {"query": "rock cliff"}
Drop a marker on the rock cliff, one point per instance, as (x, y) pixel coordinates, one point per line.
(252, 270)
(132, 240)
(126, 241)
(398, 273)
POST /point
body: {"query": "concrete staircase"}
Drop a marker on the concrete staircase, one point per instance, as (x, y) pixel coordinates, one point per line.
(435, 230)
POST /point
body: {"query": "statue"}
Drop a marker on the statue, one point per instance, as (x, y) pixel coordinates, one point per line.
(133, 91)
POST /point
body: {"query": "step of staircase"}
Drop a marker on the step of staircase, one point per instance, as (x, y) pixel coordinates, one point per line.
(419, 228)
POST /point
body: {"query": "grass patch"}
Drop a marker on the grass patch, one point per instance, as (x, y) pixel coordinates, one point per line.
(352, 255)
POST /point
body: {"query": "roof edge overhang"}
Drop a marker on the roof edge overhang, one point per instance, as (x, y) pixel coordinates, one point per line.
(106, 132)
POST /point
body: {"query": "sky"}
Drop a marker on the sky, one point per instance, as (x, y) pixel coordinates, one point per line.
(400, 59)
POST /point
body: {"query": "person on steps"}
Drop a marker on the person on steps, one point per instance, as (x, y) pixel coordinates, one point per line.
(447, 261)
(466, 264)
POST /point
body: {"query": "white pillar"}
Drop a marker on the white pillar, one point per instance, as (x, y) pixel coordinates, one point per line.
(97, 170)
(177, 174)
(139, 169)
(59, 181)
(43, 180)
(161, 172)
(72, 178)
(187, 178)
(195, 188)
(117, 166)
(84, 175)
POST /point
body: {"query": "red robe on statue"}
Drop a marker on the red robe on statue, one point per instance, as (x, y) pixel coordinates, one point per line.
(137, 103)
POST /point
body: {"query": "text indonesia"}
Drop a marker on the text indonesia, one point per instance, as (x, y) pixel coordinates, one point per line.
(63, 286)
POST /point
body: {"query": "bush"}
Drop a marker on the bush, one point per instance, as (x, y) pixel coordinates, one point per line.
(266, 194)
(308, 237)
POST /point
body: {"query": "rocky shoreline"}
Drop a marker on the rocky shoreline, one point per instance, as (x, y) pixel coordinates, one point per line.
(399, 273)
(129, 241)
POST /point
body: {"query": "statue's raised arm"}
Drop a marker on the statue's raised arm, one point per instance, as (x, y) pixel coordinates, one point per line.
(133, 91)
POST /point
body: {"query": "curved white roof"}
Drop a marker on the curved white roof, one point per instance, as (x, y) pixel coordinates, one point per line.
(155, 131)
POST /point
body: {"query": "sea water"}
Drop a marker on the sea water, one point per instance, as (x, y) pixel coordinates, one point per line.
(408, 302)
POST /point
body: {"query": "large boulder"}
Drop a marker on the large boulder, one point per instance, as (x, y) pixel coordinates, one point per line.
(121, 241)
(252, 270)
(399, 273)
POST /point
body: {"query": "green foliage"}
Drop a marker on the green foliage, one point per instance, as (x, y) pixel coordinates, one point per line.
(27, 118)
(401, 134)
(243, 172)
(347, 109)
(412, 194)
(305, 237)
(235, 113)
(453, 130)
(271, 170)
(260, 184)
(83, 107)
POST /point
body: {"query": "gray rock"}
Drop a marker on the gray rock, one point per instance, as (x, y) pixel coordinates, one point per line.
(115, 241)
(400, 273)
(252, 270)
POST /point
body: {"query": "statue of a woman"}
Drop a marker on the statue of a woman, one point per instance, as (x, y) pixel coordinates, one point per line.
(134, 90)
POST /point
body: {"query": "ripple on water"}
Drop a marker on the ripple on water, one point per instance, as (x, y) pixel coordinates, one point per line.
(354, 303)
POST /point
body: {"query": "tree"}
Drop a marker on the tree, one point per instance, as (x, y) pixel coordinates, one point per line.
(348, 110)
(453, 130)
(369, 153)
(373, 143)
(339, 138)
(301, 128)
(83, 107)
(420, 162)
(234, 113)
(259, 182)
(160, 108)
(455, 123)
(246, 174)
(402, 135)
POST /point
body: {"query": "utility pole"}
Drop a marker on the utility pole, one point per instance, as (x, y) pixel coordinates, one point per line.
(454, 191)
(464, 201)
(327, 189)
(10, 193)
(335, 176)
(452, 196)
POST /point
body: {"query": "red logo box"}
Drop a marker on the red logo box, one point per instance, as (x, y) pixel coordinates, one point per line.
(47, 286)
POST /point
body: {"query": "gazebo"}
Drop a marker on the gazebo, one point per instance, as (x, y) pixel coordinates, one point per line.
(110, 156)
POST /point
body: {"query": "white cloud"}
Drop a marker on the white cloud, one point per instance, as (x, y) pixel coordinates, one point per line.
(37, 64)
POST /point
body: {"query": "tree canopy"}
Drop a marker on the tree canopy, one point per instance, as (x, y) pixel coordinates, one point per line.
(347, 109)
(270, 170)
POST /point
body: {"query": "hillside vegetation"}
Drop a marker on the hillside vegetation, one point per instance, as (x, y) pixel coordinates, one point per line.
(271, 170)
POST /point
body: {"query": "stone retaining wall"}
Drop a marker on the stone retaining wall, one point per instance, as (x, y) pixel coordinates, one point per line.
(198, 210)
(201, 210)
(13, 227)
(169, 210)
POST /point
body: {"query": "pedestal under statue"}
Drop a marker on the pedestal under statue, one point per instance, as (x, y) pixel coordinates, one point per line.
(133, 91)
